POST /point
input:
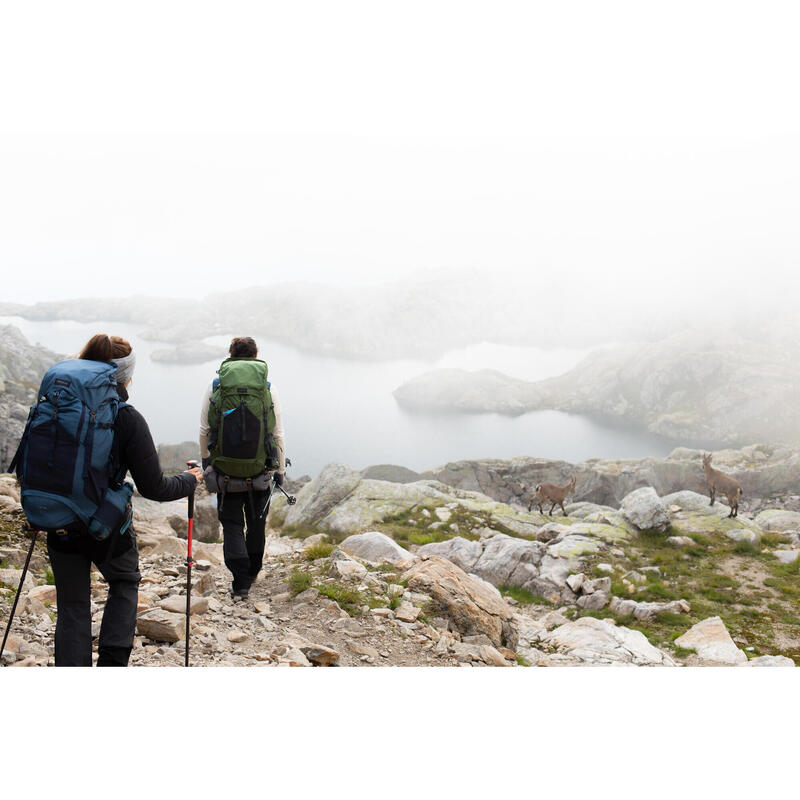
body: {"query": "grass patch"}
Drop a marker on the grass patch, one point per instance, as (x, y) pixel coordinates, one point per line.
(299, 581)
(522, 661)
(49, 579)
(318, 550)
(523, 596)
(349, 600)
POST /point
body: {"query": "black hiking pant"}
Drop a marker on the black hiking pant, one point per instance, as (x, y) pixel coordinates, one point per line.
(243, 553)
(71, 557)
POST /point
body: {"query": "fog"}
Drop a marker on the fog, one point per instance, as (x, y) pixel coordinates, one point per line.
(643, 154)
(428, 185)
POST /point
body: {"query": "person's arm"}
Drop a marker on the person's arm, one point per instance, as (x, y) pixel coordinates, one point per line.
(138, 454)
(204, 426)
(277, 434)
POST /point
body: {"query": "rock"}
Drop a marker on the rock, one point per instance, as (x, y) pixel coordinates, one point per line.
(237, 636)
(319, 655)
(681, 541)
(489, 655)
(307, 596)
(787, 556)
(645, 611)
(206, 585)
(375, 547)
(318, 497)
(744, 535)
(594, 601)
(391, 473)
(44, 594)
(11, 578)
(314, 540)
(712, 643)
(294, 657)
(406, 612)
(771, 661)
(347, 569)
(575, 581)
(472, 605)
(778, 520)
(595, 641)
(361, 649)
(509, 561)
(603, 567)
(177, 604)
(462, 552)
(644, 510)
(161, 626)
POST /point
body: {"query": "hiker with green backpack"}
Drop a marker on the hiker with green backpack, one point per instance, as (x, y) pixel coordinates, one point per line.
(243, 451)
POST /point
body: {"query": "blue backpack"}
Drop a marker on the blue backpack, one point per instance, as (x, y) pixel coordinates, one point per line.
(64, 459)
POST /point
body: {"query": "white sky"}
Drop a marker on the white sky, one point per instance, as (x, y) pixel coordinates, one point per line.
(174, 148)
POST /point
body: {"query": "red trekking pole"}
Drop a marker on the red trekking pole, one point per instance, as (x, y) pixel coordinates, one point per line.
(189, 562)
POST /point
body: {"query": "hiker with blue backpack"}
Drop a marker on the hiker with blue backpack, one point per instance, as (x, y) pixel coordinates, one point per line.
(81, 439)
(244, 454)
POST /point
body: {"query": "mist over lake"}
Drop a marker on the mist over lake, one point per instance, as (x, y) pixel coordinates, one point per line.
(343, 410)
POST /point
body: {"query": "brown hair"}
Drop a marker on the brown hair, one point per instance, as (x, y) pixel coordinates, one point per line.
(102, 347)
(243, 347)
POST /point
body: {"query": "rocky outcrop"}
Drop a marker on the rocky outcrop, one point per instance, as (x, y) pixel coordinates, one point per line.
(22, 366)
(596, 641)
(763, 470)
(318, 497)
(473, 606)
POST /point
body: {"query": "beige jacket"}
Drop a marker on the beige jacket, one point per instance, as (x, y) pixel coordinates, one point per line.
(277, 433)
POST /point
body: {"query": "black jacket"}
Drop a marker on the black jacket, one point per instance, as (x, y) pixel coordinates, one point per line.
(134, 451)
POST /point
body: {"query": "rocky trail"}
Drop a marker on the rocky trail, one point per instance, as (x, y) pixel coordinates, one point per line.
(364, 572)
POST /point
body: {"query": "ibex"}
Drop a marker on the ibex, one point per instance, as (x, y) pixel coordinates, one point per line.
(716, 480)
(550, 493)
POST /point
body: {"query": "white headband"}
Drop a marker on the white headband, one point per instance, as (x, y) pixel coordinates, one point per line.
(125, 367)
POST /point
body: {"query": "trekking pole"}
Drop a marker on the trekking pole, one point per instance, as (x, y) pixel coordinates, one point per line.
(189, 562)
(290, 498)
(19, 590)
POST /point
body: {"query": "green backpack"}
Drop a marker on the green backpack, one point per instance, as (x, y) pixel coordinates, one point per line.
(241, 417)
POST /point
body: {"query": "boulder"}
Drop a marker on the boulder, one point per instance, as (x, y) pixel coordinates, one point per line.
(161, 625)
(787, 556)
(177, 604)
(681, 541)
(645, 511)
(11, 578)
(770, 661)
(509, 561)
(462, 552)
(596, 641)
(406, 612)
(644, 611)
(45, 594)
(375, 547)
(347, 569)
(319, 655)
(744, 535)
(472, 605)
(594, 601)
(712, 643)
(319, 496)
(778, 520)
